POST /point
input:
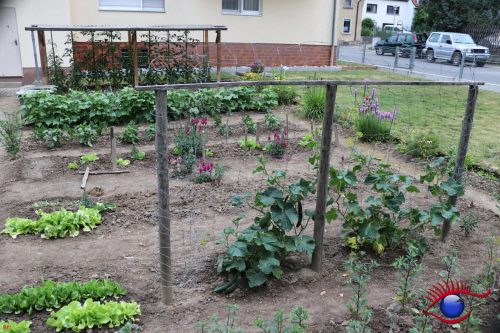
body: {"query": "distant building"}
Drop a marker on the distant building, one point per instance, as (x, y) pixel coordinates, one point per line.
(399, 13)
(349, 16)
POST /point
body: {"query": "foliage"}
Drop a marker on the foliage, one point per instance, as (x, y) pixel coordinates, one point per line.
(258, 251)
(373, 124)
(225, 130)
(183, 165)
(54, 137)
(189, 141)
(408, 267)
(421, 145)
(422, 325)
(313, 103)
(311, 140)
(249, 123)
(249, 143)
(287, 95)
(79, 317)
(277, 145)
(73, 166)
(251, 76)
(10, 134)
(52, 295)
(368, 23)
(89, 158)
(86, 134)
(130, 134)
(150, 132)
(136, 154)
(452, 270)
(122, 162)
(14, 327)
(208, 172)
(272, 122)
(468, 224)
(60, 223)
(257, 67)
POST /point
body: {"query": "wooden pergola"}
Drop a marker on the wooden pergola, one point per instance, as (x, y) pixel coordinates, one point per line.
(132, 38)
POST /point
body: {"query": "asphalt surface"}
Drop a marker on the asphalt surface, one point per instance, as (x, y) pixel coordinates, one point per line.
(440, 70)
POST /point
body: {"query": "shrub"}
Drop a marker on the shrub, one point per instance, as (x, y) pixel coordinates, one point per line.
(150, 132)
(249, 123)
(277, 145)
(10, 135)
(86, 134)
(287, 95)
(208, 172)
(130, 134)
(313, 103)
(421, 145)
(272, 122)
(257, 67)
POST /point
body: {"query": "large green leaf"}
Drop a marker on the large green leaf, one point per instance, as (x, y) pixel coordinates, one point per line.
(370, 231)
(267, 265)
(304, 244)
(238, 249)
(255, 278)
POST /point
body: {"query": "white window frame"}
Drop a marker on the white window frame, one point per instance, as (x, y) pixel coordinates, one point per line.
(134, 9)
(350, 26)
(242, 12)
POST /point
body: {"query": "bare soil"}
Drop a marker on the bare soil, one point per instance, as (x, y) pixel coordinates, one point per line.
(125, 246)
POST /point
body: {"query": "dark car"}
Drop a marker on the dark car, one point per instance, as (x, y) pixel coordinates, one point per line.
(405, 41)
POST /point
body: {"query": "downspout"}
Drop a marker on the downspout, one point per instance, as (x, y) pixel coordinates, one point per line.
(356, 24)
(333, 58)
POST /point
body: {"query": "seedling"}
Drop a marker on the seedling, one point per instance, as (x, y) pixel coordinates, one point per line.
(89, 158)
(122, 162)
(73, 166)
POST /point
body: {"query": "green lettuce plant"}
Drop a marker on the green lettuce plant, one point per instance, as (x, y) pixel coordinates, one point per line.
(11, 326)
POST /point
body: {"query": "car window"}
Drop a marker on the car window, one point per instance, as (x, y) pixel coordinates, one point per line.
(409, 39)
(401, 38)
(434, 38)
(463, 39)
(445, 38)
(393, 39)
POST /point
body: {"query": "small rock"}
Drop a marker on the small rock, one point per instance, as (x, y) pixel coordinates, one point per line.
(322, 293)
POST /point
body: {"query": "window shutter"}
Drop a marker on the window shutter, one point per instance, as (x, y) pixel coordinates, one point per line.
(153, 5)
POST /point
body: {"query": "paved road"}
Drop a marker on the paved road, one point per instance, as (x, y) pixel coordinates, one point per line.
(440, 70)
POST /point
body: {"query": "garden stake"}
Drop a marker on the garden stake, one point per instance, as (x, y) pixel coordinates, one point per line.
(113, 147)
(257, 133)
(312, 127)
(227, 126)
(286, 126)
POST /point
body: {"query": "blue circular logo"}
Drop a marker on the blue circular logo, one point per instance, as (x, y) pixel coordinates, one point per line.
(452, 306)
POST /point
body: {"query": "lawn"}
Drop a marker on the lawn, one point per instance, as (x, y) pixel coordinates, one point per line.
(427, 109)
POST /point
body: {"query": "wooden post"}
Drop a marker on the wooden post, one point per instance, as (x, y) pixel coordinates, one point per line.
(324, 164)
(206, 53)
(113, 147)
(462, 149)
(42, 48)
(163, 197)
(85, 178)
(136, 58)
(219, 50)
(257, 133)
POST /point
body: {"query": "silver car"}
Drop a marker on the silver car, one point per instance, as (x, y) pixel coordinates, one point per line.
(453, 46)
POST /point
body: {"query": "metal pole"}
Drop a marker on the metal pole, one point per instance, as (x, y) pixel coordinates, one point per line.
(396, 57)
(462, 149)
(413, 54)
(364, 53)
(38, 79)
(324, 165)
(462, 64)
(163, 196)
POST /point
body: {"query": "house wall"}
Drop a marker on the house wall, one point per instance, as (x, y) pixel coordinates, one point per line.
(405, 17)
(345, 12)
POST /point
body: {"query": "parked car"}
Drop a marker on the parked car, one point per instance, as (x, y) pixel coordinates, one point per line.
(453, 46)
(405, 41)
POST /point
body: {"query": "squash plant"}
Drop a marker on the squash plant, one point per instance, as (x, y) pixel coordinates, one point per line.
(258, 251)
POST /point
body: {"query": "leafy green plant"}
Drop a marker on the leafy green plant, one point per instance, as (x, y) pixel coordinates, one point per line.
(422, 145)
(77, 316)
(468, 224)
(249, 143)
(89, 158)
(313, 103)
(150, 132)
(311, 140)
(52, 295)
(452, 269)
(298, 322)
(14, 327)
(208, 172)
(57, 224)
(136, 154)
(249, 123)
(225, 130)
(272, 122)
(188, 142)
(277, 145)
(208, 152)
(122, 162)
(130, 134)
(73, 166)
(257, 252)
(408, 267)
(287, 95)
(54, 137)
(10, 134)
(86, 134)
(183, 165)
(216, 325)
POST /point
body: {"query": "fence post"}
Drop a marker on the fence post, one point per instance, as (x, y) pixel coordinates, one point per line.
(163, 197)
(462, 149)
(324, 164)
(113, 148)
(219, 55)
(396, 57)
(462, 64)
(42, 47)
(413, 55)
(364, 54)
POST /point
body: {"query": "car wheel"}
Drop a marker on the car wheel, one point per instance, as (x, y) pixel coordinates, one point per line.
(456, 59)
(480, 63)
(379, 51)
(430, 56)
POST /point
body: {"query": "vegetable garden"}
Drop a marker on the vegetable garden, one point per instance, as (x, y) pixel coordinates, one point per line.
(246, 197)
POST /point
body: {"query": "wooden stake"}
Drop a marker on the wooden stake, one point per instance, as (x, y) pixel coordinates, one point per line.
(462, 149)
(257, 133)
(110, 172)
(286, 125)
(42, 48)
(85, 177)
(163, 197)
(113, 147)
(312, 127)
(324, 164)
(219, 55)
(136, 58)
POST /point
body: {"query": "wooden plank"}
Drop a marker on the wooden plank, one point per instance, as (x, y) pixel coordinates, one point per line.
(106, 172)
(154, 27)
(304, 83)
(324, 165)
(113, 147)
(85, 177)
(219, 54)
(163, 197)
(42, 48)
(136, 58)
(462, 149)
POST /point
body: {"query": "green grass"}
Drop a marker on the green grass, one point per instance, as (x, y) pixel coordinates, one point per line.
(427, 109)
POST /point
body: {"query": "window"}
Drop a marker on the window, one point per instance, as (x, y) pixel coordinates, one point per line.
(242, 7)
(346, 28)
(445, 38)
(410, 39)
(133, 5)
(434, 38)
(371, 8)
(401, 38)
(393, 10)
(347, 3)
(393, 39)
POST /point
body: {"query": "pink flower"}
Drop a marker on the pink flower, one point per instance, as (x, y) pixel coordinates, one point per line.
(195, 121)
(204, 120)
(188, 130)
